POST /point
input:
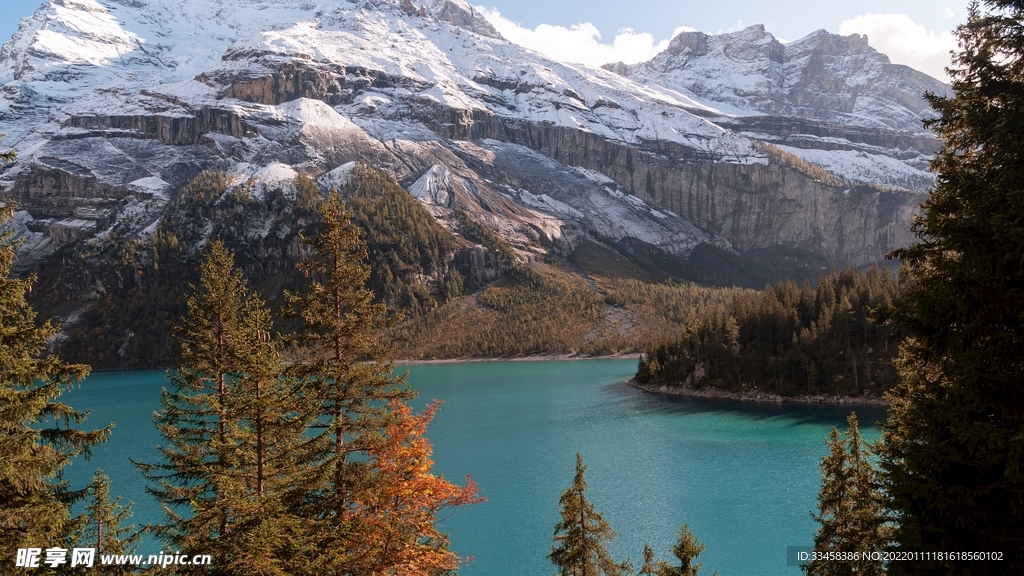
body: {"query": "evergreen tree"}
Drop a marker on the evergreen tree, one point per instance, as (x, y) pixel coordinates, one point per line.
(236, 458)
(581, 535)
(193, 419)
(953, 462)
(850, 511)
(101, 527)
(266, 456)
(687, 549)
(347, 369)
(36, 436)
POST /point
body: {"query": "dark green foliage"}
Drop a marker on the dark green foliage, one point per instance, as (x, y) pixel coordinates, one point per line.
(37, 434)
(307, 195)
(403, 240)
(139, 283)
(233, 430)
(582, 534)
(788, 340)
(347, 371)
(142, 284)
(850, 514)
(954, 444)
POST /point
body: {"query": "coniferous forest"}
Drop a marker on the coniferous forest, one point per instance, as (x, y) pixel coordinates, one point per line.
(788, 340)
(289, 446)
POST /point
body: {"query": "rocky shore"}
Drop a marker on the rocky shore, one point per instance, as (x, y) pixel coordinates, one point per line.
(757, 395)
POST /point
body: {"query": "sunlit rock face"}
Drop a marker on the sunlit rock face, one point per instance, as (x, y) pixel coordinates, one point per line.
(113, 105)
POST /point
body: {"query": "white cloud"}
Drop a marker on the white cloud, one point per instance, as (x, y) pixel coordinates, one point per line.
(905, 41)
(580, 43)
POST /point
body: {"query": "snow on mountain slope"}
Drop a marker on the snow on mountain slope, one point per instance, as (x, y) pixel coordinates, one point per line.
(101, 95)
(860, 115)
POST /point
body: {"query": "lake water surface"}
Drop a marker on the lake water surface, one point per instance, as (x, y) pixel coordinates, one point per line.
(744, 476)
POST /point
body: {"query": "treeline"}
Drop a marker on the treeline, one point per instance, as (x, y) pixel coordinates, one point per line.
(788, 340)
(542, 308)
(533, 309)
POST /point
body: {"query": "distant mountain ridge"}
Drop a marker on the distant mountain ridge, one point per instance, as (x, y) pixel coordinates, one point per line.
(113, 105)
(832, 100)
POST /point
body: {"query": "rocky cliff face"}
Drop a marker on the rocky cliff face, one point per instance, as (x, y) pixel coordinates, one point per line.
(832, 100)
(113, 106)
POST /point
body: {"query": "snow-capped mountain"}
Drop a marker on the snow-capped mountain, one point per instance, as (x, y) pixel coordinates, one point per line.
(832, 100)
(113, 105)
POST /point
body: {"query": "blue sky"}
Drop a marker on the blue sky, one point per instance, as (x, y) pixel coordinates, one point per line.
(914, 32)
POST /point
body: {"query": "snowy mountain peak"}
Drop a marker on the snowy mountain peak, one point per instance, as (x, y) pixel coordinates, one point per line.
(113, 105)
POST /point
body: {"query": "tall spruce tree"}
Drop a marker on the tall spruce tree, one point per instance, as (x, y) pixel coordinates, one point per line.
(236, 459)
(582, 534)
(850, 513)
(192, 419)
(953, 462)
(101, 526)
(267, 455)
(37, 437)
(376, 504)
(347, 370)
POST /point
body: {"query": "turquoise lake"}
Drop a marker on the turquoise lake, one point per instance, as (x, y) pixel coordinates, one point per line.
(744, 476)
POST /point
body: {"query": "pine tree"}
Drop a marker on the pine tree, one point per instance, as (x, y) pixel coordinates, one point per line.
(686, 550)
(266, 456)
(376, 504)
(192, 418)
(36, 436)
(347, 370)
(850, 511)
(581, 535)
(953, 461)
(236, 458)
(101, 526)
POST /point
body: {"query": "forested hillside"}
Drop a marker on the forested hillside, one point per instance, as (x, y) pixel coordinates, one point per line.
(460, 294)
(787, 339)
(120, 315)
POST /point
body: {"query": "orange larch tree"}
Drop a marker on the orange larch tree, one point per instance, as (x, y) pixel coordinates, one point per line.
(397, 513)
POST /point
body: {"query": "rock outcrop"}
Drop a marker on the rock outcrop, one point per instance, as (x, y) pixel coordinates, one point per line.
(543, 153)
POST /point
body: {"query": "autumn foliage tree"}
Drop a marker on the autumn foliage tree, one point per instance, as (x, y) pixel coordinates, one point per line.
(397, 511)
(373, 507)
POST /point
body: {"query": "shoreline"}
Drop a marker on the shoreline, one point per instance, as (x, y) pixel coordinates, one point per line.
(532, 358)
(757, 395)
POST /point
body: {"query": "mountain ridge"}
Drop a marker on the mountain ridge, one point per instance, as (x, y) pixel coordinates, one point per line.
(113, 106)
